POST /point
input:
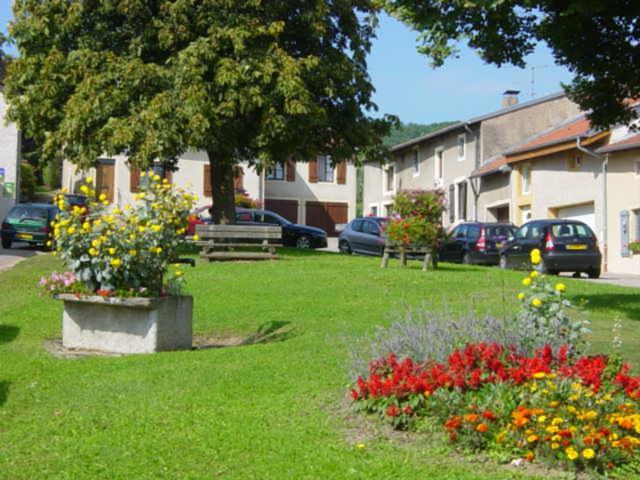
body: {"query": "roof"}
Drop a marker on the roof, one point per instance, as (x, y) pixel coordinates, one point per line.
(481, 118)
(572, 129)
(491, 166)
(627, 143)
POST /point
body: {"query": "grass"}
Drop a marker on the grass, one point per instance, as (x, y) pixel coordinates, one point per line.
(274, 409)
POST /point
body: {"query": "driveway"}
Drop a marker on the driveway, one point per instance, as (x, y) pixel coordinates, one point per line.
(17, 253)
(620, 279)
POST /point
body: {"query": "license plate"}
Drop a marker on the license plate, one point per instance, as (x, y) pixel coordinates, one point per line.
(25, 236)
(577, 247)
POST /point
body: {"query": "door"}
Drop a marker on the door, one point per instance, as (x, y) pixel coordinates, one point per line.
(326, 215)
(104, 180)
(372, 237)
(528, 237)
(584, 213)
(285, 208)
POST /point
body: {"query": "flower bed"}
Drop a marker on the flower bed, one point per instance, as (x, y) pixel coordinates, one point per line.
(583, 411)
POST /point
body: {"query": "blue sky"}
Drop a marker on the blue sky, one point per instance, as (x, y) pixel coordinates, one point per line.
(408, 87)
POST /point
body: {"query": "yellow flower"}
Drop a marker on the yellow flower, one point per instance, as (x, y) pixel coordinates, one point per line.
(136, 197)
(536, 302)
(95, 243)
(156, 228)
(588, 453)
(84, 189)
(159, 250)
(571, 453)
(132, 252)
(165, 181)
(102, 197)
(142, 196)
(535, 256)
(178, 273)
(360, 446)
(539, 375)
(555, 446)
(533, 274)
(196, 237)
(143, 174)
(532, 438)
(141, 229)
(48, 243)
(560, 287)
(521, 296)
(156, 178)
(71, 230)
(116, 262)
(97, 223)
(542, 419)
(112, 251)
(89, 180)
(557, 420)
(86, 226)
(526, 282)
(117, 211)
(552, 429)
(93, 252)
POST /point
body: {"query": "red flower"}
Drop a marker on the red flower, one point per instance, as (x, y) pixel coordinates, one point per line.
(393, 411)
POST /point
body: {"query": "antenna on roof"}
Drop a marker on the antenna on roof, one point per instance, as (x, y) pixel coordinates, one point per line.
(533, 78)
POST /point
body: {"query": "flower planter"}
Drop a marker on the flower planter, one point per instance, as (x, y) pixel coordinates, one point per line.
(126, 325)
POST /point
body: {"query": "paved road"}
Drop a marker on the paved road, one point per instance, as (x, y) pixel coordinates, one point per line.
(17, 253)
(620, 279)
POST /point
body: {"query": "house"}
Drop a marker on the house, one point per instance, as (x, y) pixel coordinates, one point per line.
(314, 192)
(459, 159)
(9, 162)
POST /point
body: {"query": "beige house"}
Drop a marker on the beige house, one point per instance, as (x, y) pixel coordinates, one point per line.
(9, 162)
(315, 192)
(460, 160)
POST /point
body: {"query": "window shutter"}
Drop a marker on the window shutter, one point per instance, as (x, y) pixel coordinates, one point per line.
(462, 201)
(291, 169)
(313, 171)
(207, 181)
(238, 178)
(134, 179)
(342, 173)
(168, 174)
(452, 203)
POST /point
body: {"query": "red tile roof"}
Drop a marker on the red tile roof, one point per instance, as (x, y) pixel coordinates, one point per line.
(569, 131)
(624, 144)
(490, 167)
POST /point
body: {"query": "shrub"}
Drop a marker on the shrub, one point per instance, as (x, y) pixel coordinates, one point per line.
(125, 252)
(634, 247)
(417, 218)
(27, 181)
(52, 173)
(244, 201)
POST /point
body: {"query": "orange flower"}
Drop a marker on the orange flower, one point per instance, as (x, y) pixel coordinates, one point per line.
(482, 428)
(471, 417)
(529, 456)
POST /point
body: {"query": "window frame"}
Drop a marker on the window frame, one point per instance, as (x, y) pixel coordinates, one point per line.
(416, 162)
(463, 137)
(438, 155)
(325, 160)
(385, 179)
(271, 172)
(527, 190)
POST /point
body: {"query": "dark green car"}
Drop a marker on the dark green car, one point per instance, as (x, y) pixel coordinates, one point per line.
(28, 222)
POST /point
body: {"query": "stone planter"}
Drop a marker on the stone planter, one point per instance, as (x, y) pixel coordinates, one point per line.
(126, 325)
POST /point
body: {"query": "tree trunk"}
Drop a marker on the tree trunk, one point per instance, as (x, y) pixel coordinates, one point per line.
(223, 210)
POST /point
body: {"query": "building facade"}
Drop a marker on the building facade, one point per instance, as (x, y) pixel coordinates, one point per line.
(9, 162)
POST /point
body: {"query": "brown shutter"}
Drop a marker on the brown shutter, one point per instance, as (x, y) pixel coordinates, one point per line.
(134, 179)
(168, 174)
(238, 178)
(313, 171)
(452, 203)
(291, 169)
(342, 173)
(207, 192)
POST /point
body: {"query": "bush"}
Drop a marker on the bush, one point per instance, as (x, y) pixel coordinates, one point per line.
(27, 181)
(125, 252)
(52, 173)
(243, 201)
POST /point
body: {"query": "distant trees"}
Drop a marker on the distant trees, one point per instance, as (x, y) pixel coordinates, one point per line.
(407, 131)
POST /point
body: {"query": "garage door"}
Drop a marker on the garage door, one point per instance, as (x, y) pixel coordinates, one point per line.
(584, 213)
(326, 215)
(285, 208)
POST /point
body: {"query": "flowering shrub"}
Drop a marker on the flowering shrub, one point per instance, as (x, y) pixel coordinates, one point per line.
(584, 411)
(124, 252)
(544, 312)
(66, 282)
(417, 218)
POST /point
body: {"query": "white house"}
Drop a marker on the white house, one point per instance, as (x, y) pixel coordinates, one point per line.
(315, 192)
(9, 161)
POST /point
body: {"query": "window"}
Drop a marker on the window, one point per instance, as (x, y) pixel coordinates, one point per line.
(575, 162)
(473, 232)
(389, 179)
(325, 169)
(526, 179)
(243, 216)
(416, 163)
(276, 172)
(388, 210)
(371, 228)
(267, 218)
(461, 147)
(356, 225)
(571, 230)
(525, 212)
(460, 232)
(636, 218)
(374, 211)
(439, 164)
(462, 200)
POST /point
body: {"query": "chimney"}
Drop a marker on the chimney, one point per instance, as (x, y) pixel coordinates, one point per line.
(510, 98)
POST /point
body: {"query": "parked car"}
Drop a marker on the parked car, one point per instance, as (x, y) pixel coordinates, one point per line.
(200, 216)
(28, 222)
(565, 245)
(293, 234)
(476, 243)
(76, 200)
(363, 235)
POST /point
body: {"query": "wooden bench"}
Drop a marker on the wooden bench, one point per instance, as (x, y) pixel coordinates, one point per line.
(239, 242)
(402, 251)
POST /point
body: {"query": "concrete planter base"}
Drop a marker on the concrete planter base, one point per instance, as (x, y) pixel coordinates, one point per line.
(126, 325)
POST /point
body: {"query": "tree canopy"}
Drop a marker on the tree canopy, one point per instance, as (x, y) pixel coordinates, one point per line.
(242, 80)
(597, 40)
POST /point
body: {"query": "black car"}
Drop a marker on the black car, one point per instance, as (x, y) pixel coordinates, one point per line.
(476, 243)
(565, 246)
(28, 222)
(293, 235)
(363, 235)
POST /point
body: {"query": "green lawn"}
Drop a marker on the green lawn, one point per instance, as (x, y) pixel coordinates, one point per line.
(271, 410)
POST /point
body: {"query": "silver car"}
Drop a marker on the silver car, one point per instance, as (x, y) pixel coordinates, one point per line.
(363, 235)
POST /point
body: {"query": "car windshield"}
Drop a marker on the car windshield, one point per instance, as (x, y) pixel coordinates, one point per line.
(500, 231)
(28, 213)
(571, 230)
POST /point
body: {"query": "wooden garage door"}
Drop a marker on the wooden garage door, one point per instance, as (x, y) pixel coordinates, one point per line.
(326, 215)
(286, 208)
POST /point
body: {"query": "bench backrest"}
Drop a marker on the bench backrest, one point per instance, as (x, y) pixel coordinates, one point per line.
(257, 232)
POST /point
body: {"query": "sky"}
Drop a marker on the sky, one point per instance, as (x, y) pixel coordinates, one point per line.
(408, 87)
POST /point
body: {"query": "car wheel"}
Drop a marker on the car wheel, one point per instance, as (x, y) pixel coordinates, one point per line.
(6, 243)
(303, 241)
(344, 247)
(594, 273)
(466, 258)
(503, 262)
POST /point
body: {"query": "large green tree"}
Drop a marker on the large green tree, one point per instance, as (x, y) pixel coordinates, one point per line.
(252, 80)
(597, 40)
